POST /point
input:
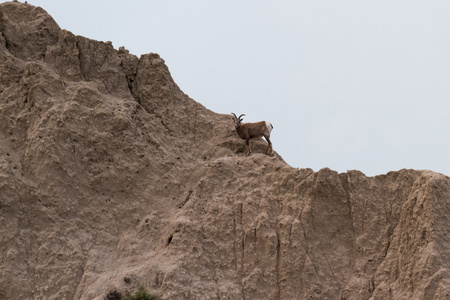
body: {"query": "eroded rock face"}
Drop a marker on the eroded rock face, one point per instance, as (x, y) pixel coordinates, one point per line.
(112, 178)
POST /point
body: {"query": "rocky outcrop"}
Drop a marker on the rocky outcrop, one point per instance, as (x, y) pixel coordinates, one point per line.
(111, 178)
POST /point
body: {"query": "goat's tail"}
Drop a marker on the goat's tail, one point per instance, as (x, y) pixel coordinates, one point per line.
(269, 126)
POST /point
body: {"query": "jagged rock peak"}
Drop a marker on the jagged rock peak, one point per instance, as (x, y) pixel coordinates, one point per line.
(112, 178)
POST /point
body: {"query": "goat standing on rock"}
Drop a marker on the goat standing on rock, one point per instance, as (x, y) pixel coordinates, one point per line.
(248, 131)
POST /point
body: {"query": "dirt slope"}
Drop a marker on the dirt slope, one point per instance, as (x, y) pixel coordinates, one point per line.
(112, 178)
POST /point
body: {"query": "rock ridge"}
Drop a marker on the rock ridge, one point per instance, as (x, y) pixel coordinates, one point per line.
(112, 178)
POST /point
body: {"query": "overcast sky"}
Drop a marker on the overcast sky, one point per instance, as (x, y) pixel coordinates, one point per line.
(346, 84)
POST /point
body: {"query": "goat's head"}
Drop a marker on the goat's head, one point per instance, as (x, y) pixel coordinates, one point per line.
(237, 120)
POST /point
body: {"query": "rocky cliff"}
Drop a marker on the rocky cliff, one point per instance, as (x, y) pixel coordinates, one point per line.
(111, 178)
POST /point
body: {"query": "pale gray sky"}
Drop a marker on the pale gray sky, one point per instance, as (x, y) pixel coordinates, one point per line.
(347, 84)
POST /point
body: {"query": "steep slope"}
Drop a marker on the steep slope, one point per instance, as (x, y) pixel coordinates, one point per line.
(112, 178)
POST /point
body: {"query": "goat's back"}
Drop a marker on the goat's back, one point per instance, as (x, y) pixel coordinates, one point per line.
(258, 129)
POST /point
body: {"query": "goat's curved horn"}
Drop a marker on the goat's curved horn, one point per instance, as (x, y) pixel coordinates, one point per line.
(241, 116)
(234, 115)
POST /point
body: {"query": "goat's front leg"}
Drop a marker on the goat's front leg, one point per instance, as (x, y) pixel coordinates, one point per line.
(247, 147)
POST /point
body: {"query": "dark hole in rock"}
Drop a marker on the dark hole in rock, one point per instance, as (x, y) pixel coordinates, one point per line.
(114, 295)
(169, 240)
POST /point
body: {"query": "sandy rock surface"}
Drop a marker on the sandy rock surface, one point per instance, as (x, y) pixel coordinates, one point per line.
(112, 178)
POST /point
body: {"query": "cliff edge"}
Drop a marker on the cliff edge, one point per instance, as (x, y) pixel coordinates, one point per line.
(112, 178)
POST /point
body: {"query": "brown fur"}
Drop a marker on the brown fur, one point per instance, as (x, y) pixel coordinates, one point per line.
(248, 131)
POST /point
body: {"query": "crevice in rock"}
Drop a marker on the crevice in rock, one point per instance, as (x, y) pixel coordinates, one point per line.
(278, 265)
(290, 234)
(130, 81)
(130, 77)
(387, 247)
(371, 287)
(169, 240)
(234, 244)
(77, 44)
(132, 88)
(186, 200)
(8, 44)
(242, 248)
(3, 36)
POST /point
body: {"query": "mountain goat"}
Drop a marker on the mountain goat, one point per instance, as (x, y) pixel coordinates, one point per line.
(248, 131)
